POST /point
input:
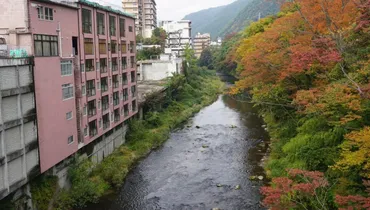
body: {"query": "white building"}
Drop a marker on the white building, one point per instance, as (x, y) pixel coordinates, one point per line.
(179, 35)
(217, 43)
(164, 67)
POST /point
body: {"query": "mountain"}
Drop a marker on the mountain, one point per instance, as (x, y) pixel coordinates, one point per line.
(213, 20)
(250, 13)
(220, 21)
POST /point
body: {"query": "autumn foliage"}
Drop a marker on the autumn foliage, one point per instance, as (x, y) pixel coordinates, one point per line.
(308, 71)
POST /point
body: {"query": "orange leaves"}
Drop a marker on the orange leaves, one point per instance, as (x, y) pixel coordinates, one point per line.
(328, 16)
(338, 103)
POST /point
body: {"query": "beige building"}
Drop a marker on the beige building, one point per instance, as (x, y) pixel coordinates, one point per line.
(145, 12)
(201, 42)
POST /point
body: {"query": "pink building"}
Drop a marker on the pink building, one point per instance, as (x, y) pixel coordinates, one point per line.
(86, 83)
(84, 76)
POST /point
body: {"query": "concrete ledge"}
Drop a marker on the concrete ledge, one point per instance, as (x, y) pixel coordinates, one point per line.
(14, 155)
(14, 123)
(16, 91)
(31, 146)
(18, 185)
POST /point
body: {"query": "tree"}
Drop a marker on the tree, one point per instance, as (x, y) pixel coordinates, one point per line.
(206, 58)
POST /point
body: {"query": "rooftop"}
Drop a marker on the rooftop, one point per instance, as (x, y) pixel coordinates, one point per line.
(106, 8)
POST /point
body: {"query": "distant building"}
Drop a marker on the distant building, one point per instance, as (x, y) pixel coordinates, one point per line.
(178, 35)
(201, 42)
(217, 43)
(145, 12)
(75, 95)
(159, 69)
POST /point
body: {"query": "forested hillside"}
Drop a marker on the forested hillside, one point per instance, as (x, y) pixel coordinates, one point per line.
(307, 69)
(214, 20)
(249, 14)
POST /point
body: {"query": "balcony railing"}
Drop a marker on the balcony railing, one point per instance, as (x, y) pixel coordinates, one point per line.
(92, 112)
(114, 67)
(106, 125)
(93, 132)
(105, 106)
(90, 92)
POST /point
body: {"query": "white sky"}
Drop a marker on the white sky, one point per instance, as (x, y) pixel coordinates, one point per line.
(177, 9)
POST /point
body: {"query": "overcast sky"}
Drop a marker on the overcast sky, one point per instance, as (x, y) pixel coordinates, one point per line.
(177, 9)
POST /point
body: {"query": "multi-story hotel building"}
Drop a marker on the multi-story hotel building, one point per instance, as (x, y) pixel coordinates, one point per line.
(76, 88)
(145, 12)
(179, 35)
(201, 42)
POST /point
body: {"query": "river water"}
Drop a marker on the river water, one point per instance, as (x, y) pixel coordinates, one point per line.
(201, 165)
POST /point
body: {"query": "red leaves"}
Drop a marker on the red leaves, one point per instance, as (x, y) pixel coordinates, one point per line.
(363, 22)
(284, 192)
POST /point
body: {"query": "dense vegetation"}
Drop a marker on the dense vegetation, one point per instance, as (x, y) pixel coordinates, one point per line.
(223, 20)
(185, 96)
(159, 37)
(308, 70)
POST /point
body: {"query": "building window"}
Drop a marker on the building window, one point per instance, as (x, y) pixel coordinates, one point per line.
(100, 124)
(124, 47)
(99, 105)
(67, 91)
(117, 115)
(101, 23)
(46, 45)
(93, 130)
(133, 76)
(122, 29)
(69, 115)
(91, 108)
(105, 103)
(125, 94)
(102, 46)
(104, 84)
(133, 91)
(134, 106)
(124, 79)
(70, 140)
(83, 90)
(115, 81)
(114, 64)
(124, 63)
(85, 132)
(89, 46)
(103, 65)
(113, 47)
(126, 110)
(116, 98)
(132, 47)
(86, 21)
(106, 122)
(89, 65)
(132, 60)
(112, 25)
(130, 29)
(85, 110)
(45, 13)
(98, 85)
(66, 67)
(90, 88)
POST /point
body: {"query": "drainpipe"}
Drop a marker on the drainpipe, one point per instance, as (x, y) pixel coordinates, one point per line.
(59, 30)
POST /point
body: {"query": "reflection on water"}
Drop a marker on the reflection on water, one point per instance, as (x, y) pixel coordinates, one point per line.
(200, 168)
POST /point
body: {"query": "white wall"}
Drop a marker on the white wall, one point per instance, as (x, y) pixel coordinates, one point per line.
(159, 70)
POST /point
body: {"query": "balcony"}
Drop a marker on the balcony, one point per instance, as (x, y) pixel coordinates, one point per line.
(106, 122)
(93, 131)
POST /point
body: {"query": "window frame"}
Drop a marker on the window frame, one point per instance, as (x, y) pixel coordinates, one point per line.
(52, 41)
(68, 86)
(64, 63)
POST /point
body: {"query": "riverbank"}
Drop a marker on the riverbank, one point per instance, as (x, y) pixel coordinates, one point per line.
(89, 182)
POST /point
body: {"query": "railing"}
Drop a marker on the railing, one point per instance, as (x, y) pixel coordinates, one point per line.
(93, 132)
(103, 69)
(104, 88)
(90, 92)
(92, 112)
(116, 84)
(105, 106)
(115, 67)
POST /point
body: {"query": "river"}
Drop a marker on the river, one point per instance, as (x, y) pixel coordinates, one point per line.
(201, 166)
